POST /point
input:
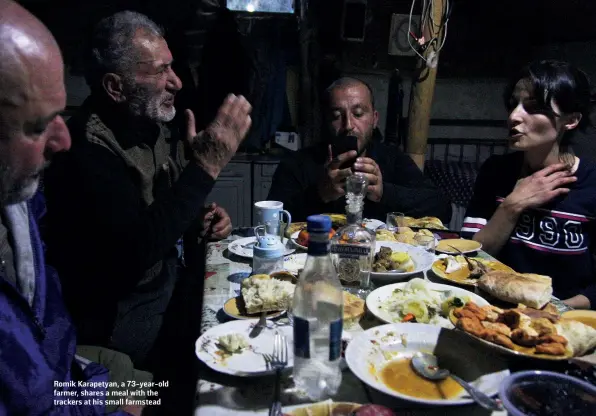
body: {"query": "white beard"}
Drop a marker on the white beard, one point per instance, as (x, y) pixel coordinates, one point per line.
(20, 194)
(142, 105)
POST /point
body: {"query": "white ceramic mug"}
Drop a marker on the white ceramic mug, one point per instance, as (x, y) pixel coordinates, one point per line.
(269, 214)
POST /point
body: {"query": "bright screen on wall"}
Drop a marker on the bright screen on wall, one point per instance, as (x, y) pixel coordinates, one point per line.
(261, 6)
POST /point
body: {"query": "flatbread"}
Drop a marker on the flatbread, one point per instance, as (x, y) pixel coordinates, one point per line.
(581, 337)
(425, 222)
(353, 309)
(532, 290)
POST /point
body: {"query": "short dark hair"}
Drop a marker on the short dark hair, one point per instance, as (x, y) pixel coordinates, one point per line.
(556, 81)
(345, 82)
(111, 48)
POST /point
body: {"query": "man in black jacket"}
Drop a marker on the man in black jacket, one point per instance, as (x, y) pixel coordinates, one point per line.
(312, 181)
(127, 192)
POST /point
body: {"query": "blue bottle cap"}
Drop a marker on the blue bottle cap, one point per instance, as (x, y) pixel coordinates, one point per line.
(318, 224)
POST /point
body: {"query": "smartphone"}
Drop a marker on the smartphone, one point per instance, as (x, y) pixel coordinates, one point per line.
(343, 144)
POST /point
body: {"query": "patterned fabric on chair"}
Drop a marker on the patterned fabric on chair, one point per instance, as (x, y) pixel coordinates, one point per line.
(453, 164)
(456, 179)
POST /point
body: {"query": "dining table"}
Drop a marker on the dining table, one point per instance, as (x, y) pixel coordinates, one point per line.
(221, 395)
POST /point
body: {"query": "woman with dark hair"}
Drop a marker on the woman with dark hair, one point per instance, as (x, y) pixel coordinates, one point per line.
(534, 209)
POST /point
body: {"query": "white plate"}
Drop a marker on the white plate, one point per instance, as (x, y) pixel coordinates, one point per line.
(378, 296)
(294, 262)
(251, 361)
(372, 224)
(243, 247)
(423, 260)
(371, 350)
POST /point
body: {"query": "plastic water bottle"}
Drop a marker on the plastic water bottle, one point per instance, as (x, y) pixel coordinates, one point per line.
(318, 317)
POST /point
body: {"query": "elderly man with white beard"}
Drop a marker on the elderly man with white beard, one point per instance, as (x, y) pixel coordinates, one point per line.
(127, 192)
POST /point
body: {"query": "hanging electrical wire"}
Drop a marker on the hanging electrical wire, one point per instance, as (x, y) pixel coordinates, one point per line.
(426, 17)
(415, 49)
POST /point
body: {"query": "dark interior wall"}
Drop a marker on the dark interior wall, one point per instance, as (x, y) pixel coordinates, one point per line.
(71, 21)
(486, 43)
(485, 38)
(215, 53)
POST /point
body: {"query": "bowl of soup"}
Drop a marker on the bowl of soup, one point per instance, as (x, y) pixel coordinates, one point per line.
(545, 393)
(381, 357)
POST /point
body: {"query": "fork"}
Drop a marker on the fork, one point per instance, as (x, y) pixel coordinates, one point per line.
(249, 245)
(278, 361)
(470, 265)
(468, 260)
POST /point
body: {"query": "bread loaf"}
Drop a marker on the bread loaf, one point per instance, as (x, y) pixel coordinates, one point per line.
(532, 290)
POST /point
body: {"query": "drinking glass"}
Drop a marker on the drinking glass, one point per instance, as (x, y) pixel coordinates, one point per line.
(394, 221)
(427, 242)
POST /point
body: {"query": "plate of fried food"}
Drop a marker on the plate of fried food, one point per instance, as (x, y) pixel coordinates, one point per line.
(395, 261)
(522, 319)
(525, 331)
(465, 270)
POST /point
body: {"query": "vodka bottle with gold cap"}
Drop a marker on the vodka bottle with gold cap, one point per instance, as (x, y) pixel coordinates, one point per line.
(353, 246)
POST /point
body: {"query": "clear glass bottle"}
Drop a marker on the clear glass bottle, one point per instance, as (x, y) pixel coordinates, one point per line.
(353, 246)
(318, 317)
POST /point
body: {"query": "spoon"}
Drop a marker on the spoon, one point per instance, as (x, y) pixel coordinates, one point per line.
(426, 366)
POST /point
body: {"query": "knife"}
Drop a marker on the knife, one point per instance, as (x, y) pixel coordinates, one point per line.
(259, 326)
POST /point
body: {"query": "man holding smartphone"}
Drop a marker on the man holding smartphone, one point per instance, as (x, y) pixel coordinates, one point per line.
(313, 180)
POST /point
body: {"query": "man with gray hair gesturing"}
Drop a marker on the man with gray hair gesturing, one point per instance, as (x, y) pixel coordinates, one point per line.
(128, 190)
(39, 372)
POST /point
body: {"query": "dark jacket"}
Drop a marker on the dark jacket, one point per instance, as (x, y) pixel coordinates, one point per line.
(118, 202)
(555, 239)
(405, 189)
(37, 346)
